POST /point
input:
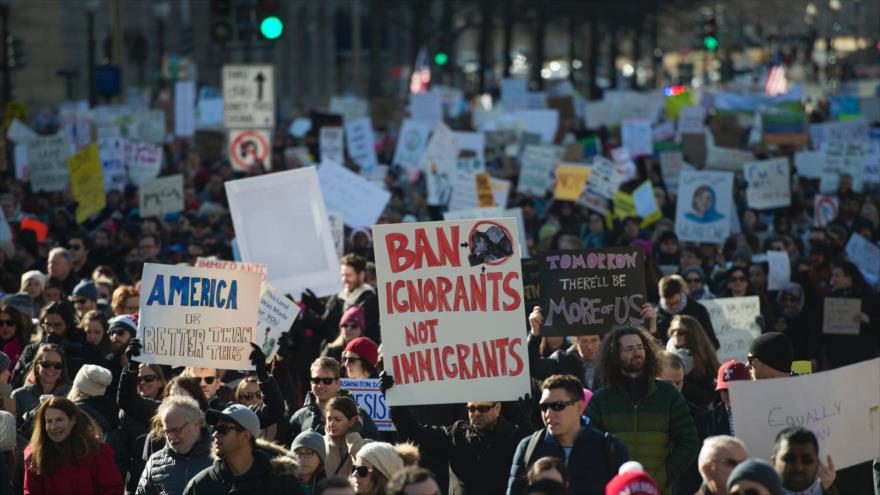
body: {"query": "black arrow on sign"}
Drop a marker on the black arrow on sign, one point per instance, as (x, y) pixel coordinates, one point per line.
(260, 80)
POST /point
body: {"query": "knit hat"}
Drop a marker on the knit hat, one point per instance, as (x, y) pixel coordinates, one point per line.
(383, 457)
(365, 348)
(759, 471)
(694, 269)
(7, 431)
(632, 483)
(20, 301)
(125, 322)
(86, 289)
(4, 362)
(34, 275)
(354, 314)
(730, 371)
(310, 440)
(92, 380)
(773, 349)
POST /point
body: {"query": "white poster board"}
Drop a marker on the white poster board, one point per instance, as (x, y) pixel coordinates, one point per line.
(361, 143)
(184, 108)
(368, 397)
(198, 317)
(780, 270)
(735, 320)
(143, 161)
(769, 184)
(841, 316)
(297, 245)
(161, 196)
(536, 172)
(113, 153)
(809, 164)
(332, 145)
(636, 137)
(360, 201)
(411, 144)
(451, 308)
(704, 206)
(238, 266)
(841, 406)
(275, 316)
(865, 254)
(47, 157)
(438, 163)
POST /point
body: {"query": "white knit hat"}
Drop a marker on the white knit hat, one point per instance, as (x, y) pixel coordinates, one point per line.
(92, 380)
(382, 456)
(7, 431)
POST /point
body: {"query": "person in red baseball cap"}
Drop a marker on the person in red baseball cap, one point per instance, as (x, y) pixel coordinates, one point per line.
(718, 420)
(360, 357)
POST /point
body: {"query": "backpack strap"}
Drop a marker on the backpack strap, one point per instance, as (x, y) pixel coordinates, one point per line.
(610, 448)
(534, 440)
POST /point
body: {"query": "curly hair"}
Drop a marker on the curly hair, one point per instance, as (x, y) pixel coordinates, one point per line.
(82, 442)
(609, 354)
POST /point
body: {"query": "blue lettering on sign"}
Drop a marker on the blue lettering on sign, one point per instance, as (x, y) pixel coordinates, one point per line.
(194, 292)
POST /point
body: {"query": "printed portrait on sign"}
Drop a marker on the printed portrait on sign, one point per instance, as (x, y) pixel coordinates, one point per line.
(703, 206)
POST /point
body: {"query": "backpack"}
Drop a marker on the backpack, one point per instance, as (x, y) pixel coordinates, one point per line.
(608, 445)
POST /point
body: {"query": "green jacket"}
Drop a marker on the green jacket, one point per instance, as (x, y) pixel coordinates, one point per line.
(658, 431)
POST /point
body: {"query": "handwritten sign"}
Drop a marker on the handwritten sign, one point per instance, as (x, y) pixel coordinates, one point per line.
(439, 163)
(451, 308)
(143, 161)
(780, 270)
(842, 316)
(337, 227)
(690, 120)
(704, 206)
(636, 137)
(411, 144)
(589, 292)
(606, 177)
(671, 163)
(87, 183)
(275, 316)
(112, 152)
(198, 317)
(361, 143)
(359, 200)
(570, 181)
(735, 320)
(841, 406)
(824, 210)
(332, 145)
(846, 158)
(47, 157)
(238, 266)
(368, 397)
(769, 184)
(161, 196)
(865, 254)
(537, 168)
(809, 164)
(731, 159)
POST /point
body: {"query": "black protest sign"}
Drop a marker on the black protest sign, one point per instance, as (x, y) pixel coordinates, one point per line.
(589, 292)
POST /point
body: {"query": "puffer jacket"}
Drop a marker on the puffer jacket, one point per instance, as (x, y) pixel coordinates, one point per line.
(310, 418)
(658, 431)
(168, 472)
(273, 472)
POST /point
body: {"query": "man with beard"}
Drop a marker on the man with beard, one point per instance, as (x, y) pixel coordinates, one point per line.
(648, 415)
(796, 460)
(122, 329)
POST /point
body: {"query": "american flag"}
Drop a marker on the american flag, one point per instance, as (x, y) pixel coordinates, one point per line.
(776, 83)
(421, 76)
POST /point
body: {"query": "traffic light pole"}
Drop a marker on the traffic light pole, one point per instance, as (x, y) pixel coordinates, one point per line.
(7, 79)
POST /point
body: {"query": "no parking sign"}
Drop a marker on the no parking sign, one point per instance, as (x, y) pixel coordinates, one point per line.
(250, 148)
(824, 210)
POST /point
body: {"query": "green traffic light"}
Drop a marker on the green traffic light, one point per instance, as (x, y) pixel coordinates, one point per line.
(711, 43)
(271, 27)
(441, 58)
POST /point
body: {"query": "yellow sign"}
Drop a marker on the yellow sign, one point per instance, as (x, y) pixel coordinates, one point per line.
(570, 181)
(624, 205)
(674, 104)
(485, 198)
(802, 367)
(87, 182)
(15, 109)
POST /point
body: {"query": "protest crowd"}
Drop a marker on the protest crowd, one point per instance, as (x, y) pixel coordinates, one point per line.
(662, 260)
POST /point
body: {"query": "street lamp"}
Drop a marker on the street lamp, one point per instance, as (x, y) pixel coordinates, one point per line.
(91, 8)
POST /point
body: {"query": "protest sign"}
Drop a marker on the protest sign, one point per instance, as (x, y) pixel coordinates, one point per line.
(695, 149)
(846, 158)
(87, 182)
(439, 162)
(735, 320)
(865, 254)
(589, 292)
(780, 270)
(275, 316)
(143, 161)
(570, 181)
(537, 168)
(636, 137)
(599, 113)
(360, 201)
(161, 196)
(824, 210)
(451, 307)
(265, 236)
(426, 107)
(411, 144)
(671, 163)
(842, 316)
(704, 206)
(47, 158)
(464, 191)
(332, 147)
(494, 212)
(809, 164)
(112, 153)
(605, 178)
(337, 227)
(20, 133)
(368, 397)
(718, 158)
(238, 266)
(663, 132)
(769, 184)
(485, 198)
(841, 406)
(349, 107)
(690, 120)
(185, 108)
(855, 130)
(500, 191)
(531, 285)
(198, 317)
(151, 126)
(541, 122)
(645, 204)
(472, 143)
(361, 143)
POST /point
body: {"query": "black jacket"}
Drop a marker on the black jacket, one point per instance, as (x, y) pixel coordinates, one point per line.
(310, 418)
(713, 422)
(479, 461)
(692, 308)
(561, 362)
(273, 472)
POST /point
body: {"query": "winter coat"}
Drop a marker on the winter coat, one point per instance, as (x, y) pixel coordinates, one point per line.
(658, 430)
(27, 399)
(130, 438)
(310, 418)
(272, 472)
(715, 421)
(97, 475)
(561, 362)
(13, 348)
(336, 308)
(588, 463)
(77, 352)
(168, 472)
(338, 463)
(691, 308)
(842, 350)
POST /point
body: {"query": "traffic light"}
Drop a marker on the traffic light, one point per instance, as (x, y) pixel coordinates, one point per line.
(221, 29)
(14, 52)
(710, 34)
(271, 26)
(441, 59)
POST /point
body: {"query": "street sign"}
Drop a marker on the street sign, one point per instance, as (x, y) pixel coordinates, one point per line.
(250, 148)
(249, 96)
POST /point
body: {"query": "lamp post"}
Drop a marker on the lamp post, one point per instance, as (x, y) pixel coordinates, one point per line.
(91, 8)
(161, 10)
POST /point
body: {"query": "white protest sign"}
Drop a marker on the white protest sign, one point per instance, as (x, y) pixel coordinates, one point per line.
(769, 184)
(337, 226)
(842, 316)
(47, 157)
(824, 210)
(265, 236)
(780, 270)
(275, 316)
(500, 191)
(426, 108)
(865, 254)
(599, 113)
(249, 96)
(718, 158)
(541, 122)
(704, 207)
(349, 107)
(439, 164)
(809, 164)
(411, 144)
(198, 317)
(184, 108)
(671, 163)
(636, 137)
(662, 132)
(735, 320)
(238, 266)
(360, 201)
(151, 126)
(368, 397)
(690, 120)
(160, 196)
(536, 172)
(464, 191)
(143, 161)
(854, 130)
(451, 309)
(606, 177)
(332, 145)
(20, 133)
(112, 153)
(361, 143)
(249, 148)
(474, 142)
(841, 406)
(846, 158)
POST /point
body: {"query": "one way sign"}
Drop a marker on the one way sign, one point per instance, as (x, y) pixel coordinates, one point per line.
(249, 96)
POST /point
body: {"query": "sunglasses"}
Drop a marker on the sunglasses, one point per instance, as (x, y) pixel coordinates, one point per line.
(251, 396)
(361, 471)
(482, 409)
(349, 359)
(556, 406)
(57, 324)
(207, 379)
(52, 364)
(147, 378)
(7, 323)
(224, 429)
(325, 380)
(117, 331)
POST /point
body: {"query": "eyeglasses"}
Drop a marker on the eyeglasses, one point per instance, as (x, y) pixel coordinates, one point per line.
(175, 431)
(52, 364)
(252, 396)
(304, 453)
(147, 378)
(207, 379)
(482, 409)
(731, 463)
(556, 406)
(349, 325)
(361, 471)
(224, 429)
(349, 359)
(326, 380)
(737, 279)
(57, 324)
(7, 323)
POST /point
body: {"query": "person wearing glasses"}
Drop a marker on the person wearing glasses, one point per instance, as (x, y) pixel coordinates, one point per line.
(209, 379)
(377, 462)
(84, 297)
(46, 376)
(718, 457)
(351, 326)
(360, 358)
(187, 448)
(478, 450)
(249, 392)
(242, 464)
(770, 356)
(695, 280)
(79, 245)
(341, 437)
(649, 415)
(591, 457)
(580, 360)
(310, 452)
(797, 462)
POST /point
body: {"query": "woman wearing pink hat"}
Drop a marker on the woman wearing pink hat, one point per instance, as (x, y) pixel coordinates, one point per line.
(351, 326)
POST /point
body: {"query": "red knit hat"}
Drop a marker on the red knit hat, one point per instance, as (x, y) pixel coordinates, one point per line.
(365, 348)
(632, 483)
(730, 371)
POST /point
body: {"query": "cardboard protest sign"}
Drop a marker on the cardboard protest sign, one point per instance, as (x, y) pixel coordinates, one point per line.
(143, 161)
(636, 137)
(47, 158)
(368, 397)
(361, 143)
(451, 307)
(865, 254)
(87, 182)
(846, 158)
(704, 206)
(855, 130)
(780, 270)
(590, 292)
(570, 181)
(769, 184)
(426, 107)
(439, 162)
(841, 406)
(161, 196)
(275, 316)
(732, 159)
(238, 266)
(500, 191)
(332, 144)
(842, 316)
(349, 107)
(112, 153)
(265, 236)
(671, 163)
(537, 168)
(198, 317)
(360, 201)
(824, 210)
(735, 320)
(411, 144)
(337, 226)
(690, 120)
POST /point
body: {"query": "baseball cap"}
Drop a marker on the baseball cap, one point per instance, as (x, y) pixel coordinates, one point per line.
(236, 413)
(730, 371)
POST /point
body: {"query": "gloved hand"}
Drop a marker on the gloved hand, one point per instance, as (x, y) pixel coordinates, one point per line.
(133, 350)
(258, 359)
(386, 381)
(285, 345)
(525, 405)
(312, 302)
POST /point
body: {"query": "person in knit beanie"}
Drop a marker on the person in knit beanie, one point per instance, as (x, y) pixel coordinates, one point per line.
(770, 356)
(360, 357)
(351, 326)
(310, 452)
(376, 463)
(88, 392)
(755, 474)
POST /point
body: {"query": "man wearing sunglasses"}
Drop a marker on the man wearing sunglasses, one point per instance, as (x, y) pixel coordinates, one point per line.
(478, 450)
(242, 465)
(719, 455)
(797, 462)
(592, 457)
(209, 380)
